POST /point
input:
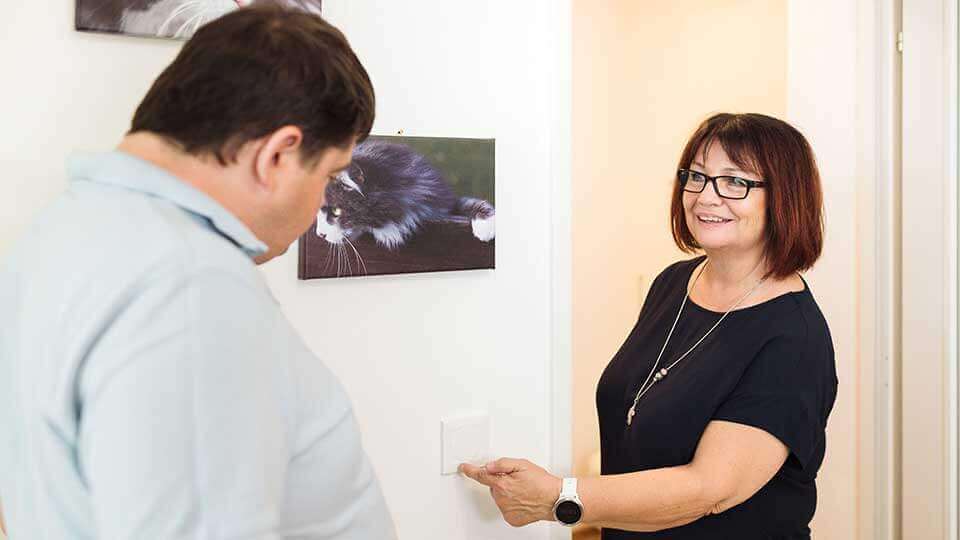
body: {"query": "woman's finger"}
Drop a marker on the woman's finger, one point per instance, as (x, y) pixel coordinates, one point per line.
(478, 474)
(505, 466)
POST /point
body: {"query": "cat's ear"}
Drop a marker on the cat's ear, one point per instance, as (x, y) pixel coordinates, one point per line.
(278, 155)
(351, 180)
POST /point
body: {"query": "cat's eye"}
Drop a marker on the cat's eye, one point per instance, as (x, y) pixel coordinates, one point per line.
(337, 212)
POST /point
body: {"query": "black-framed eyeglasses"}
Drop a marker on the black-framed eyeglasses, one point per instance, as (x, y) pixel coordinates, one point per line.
(728, 187)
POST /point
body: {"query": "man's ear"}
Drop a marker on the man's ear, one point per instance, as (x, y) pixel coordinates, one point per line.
(279, 152)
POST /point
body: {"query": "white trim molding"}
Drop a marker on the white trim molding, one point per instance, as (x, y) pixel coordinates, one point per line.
(561, 351)
(951, 47)
(929, 277)
(878, 226)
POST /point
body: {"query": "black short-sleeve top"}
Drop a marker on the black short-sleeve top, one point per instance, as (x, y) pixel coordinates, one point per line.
(770, 366)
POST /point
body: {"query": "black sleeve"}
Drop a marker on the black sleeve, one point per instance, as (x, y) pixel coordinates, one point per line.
(652, 292)
(781, 392)
(664, 282)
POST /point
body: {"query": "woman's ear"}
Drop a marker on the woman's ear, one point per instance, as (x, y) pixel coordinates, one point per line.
(278, 155)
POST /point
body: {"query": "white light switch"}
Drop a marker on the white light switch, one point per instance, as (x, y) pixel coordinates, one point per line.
(465, 438)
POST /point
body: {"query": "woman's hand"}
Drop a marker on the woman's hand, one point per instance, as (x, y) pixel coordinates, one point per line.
(523, 492)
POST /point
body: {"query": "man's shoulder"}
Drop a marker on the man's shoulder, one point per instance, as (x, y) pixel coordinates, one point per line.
(109, 238)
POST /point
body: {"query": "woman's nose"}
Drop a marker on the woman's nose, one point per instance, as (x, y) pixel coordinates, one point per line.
(709, 195)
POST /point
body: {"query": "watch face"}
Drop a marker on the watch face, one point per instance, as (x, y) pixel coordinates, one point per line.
(568, 512)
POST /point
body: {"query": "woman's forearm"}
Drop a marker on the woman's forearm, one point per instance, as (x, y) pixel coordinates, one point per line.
(648, 500)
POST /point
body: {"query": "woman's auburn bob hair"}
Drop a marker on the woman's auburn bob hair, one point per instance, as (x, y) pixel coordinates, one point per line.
(783, 159)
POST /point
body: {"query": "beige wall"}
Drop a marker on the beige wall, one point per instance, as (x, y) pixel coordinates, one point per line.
(645, 74)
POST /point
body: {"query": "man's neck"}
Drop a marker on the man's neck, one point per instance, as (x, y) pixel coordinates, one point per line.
(156, 150)
(204, 174)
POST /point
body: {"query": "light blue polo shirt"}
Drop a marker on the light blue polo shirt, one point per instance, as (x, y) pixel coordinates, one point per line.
(151, 388)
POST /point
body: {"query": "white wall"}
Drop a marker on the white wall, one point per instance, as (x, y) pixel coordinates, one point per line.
(929, 270)
(61, 91)
(412, 348)
(409, 349)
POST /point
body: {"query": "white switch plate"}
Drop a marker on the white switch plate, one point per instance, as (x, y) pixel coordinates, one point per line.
(465, 438)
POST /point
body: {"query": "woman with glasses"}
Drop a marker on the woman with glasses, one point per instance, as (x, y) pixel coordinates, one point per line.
(713, 412)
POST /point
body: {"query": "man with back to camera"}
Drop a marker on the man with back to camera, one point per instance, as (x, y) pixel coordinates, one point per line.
(150, 386)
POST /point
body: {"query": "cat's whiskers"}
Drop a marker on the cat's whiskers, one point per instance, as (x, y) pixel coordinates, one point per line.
(328, 266)
(359, 258)
(179, 10)
(201, 20)
(196, 20)
(346, 257)
(339, 252)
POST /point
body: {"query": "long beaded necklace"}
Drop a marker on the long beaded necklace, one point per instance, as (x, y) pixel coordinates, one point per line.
(666, 370)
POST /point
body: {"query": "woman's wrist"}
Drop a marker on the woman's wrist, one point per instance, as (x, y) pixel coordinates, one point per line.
(552, 492)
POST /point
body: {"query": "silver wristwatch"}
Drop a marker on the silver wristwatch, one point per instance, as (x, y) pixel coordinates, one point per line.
(568, 510)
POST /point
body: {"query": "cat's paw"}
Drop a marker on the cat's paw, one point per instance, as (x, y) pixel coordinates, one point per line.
(390, 236)
(485, 229)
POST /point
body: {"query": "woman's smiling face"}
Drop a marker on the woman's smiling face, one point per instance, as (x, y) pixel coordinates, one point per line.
(719, 224)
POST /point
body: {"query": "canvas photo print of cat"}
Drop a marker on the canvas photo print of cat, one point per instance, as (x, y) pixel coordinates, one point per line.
(177, 19)
(406, 205)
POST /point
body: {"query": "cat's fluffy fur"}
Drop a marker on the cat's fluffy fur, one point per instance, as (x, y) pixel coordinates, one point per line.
(389, 191)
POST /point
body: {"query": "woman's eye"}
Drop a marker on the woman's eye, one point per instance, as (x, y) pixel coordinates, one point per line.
(737, 182)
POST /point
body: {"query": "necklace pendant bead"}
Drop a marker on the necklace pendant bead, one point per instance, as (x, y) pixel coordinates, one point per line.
(663, 373)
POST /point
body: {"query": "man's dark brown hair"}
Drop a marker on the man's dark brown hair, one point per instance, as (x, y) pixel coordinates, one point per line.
(782, 157)
(253, 71)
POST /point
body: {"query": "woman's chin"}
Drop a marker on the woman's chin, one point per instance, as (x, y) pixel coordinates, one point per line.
(713, 242)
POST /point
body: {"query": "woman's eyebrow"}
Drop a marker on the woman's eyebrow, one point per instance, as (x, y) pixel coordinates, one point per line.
(699, 165)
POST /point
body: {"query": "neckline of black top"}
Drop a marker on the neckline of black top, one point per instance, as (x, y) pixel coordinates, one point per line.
(776, 300)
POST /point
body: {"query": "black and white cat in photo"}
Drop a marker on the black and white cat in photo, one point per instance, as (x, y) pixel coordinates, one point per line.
(389, 192)
(177, 19)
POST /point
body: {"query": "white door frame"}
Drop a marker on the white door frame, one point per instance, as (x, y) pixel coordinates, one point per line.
(561, 199)
(929, 270)
(878, 226)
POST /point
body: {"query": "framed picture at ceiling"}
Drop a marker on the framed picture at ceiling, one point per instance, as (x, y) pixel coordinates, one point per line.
(177, 19)
(406, 205)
